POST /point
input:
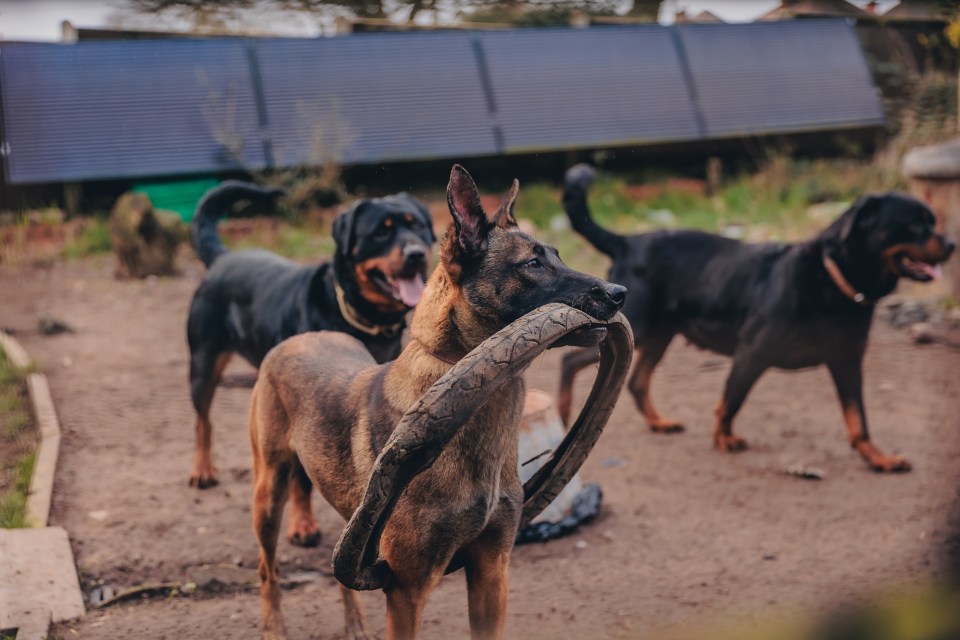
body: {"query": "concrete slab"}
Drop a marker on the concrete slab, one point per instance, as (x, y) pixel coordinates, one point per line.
(40, 494)
(38, 580)
(43, 409)
(17, 354)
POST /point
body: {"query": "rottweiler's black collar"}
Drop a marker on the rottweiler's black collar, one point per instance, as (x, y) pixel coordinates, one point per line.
(359, 323)
(833, 270)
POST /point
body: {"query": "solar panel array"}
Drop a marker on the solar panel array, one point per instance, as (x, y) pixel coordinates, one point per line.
(126, 109)
(123, 109)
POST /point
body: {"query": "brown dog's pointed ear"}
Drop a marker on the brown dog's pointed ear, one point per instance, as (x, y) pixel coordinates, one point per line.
(504, 217)
(469, 221)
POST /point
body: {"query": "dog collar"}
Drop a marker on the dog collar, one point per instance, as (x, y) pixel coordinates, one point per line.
(833, 269)
(357, 322)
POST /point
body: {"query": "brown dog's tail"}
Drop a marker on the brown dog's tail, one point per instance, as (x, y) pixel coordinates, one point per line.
(576, 184)
(214, 204)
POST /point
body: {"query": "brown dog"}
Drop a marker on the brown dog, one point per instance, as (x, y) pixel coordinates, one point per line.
(323, 406)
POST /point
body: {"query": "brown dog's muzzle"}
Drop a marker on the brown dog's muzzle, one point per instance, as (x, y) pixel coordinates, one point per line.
(920, 262)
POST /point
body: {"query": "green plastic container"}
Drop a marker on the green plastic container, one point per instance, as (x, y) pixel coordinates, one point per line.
(179, 196)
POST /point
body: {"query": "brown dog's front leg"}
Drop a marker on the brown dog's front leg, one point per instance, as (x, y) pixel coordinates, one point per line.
(405, 604)
(487, 588)
(848, 378)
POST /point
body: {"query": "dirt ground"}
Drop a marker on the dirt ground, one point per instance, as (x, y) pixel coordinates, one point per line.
(689, 539)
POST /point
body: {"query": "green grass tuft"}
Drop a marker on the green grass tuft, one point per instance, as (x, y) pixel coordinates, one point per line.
(13, 503)
(93, 239)
(302, 242)
(298, 243)
(16, 468)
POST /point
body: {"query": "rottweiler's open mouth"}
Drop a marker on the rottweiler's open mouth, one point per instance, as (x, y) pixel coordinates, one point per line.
(405, 287)
(917, 269)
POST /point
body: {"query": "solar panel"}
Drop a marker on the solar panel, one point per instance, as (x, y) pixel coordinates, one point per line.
(780, 77)
(123, 109)
(570, 88)
(374, 97)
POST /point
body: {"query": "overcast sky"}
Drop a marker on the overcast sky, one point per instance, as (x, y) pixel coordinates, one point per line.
(40, 19)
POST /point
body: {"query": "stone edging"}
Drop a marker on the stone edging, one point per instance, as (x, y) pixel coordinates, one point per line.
(48, 450)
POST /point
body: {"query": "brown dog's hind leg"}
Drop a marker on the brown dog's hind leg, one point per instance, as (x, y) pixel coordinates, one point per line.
(648, 356)
(573, 362)
(270, 489)
(205, 372)
(302, 529)
(743, 375)
(848, 379)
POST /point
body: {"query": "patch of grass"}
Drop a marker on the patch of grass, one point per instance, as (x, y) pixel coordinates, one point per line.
(771, 204)
(94, 238)
(14, 415)
(13, 502)
(302, 242)
(576, 252)
(17, 444)
(299, 243)
(15, 418)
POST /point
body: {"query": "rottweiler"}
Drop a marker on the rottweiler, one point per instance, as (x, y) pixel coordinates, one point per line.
(249, 301)
(788, 306)
(324, 408)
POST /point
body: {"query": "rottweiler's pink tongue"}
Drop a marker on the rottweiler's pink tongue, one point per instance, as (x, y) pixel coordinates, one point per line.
(410, 289)
(934, 271)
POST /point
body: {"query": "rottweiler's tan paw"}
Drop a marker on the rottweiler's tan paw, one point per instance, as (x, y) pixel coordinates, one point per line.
(304, 533)
(204, 477)
(667, 426)
(730, 444)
